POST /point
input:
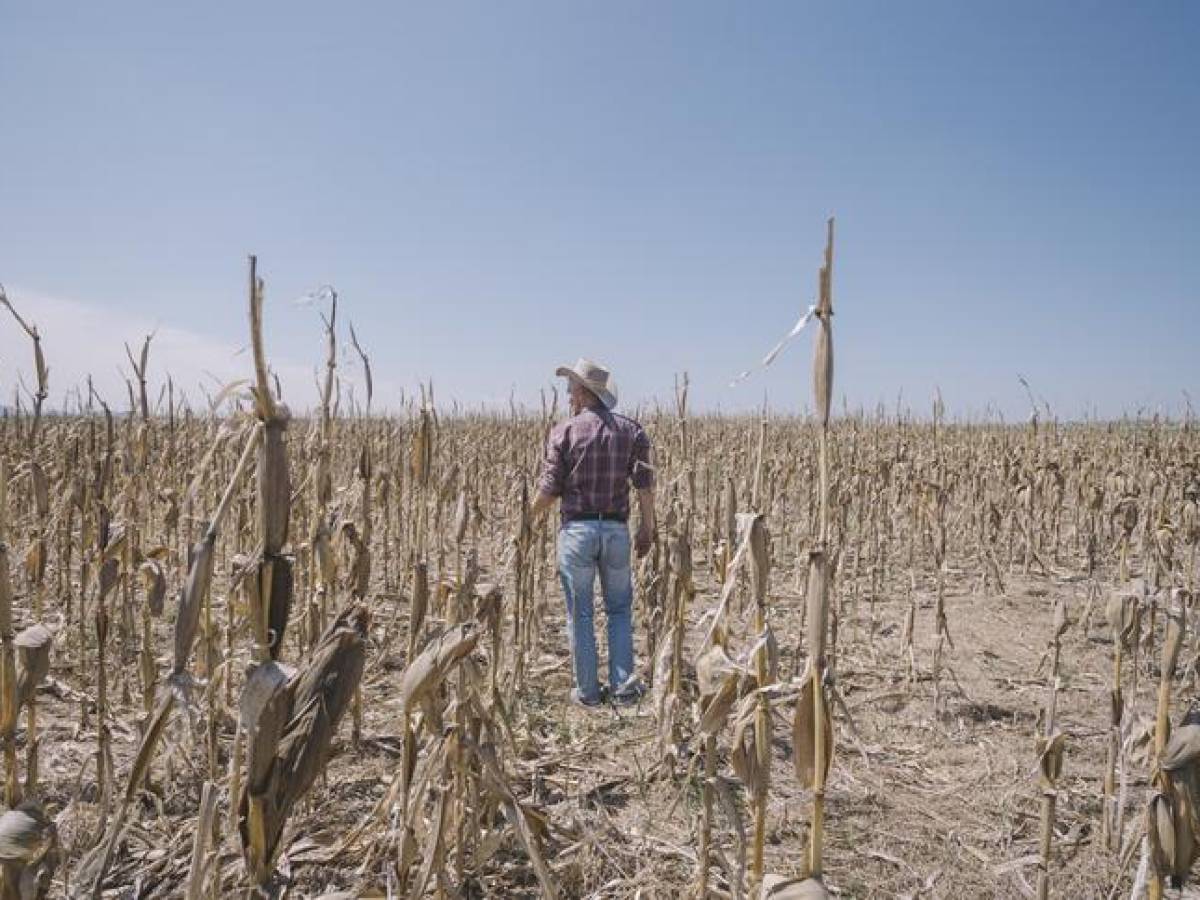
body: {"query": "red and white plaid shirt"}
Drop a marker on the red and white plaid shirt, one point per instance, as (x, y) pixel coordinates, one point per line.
(590, 461)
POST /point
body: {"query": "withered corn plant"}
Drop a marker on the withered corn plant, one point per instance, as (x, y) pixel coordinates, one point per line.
(1123, 620)
(1050, 746)
(1170, 815)
(813, 726)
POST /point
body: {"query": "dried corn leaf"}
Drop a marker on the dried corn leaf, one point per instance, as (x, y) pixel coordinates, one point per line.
(723, 791)
(731, 572)
(435, 845)
(191, 599)
(769, 358)
(426, 672)
(145, 754)
(748, 759)
(1060, 618)
(109, 573)
(1160, 832)
(517, 815)
(115, 538)
(1183, 749)
(713, 670)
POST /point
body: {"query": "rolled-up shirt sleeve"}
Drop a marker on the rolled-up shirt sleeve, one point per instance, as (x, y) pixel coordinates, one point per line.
(554, 473)
(641, 472)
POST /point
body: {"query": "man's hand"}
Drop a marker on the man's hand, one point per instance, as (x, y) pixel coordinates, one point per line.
(541, 503)
(644, 540)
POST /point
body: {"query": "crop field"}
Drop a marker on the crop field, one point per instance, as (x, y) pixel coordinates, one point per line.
(249, 652)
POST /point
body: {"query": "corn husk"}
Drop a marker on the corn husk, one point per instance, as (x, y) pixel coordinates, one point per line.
(778, 887)
(41, 493)
(818, 603)
(286, 763)
(1183, 749)
(420, 607)
(803, 732)
(1050, 759)
(823, 368)
(278, 608)
(274, 486)
(421, 459)
(1173, 640)
(1185, 794)
(28, 852)
(33, 648)
(24, 833)
(323, 550)
(6, 593)
(263, 712)
(461, 517)
(155, 582)
(1122, 617)
(759, 561)
(730, 503)
(35, 562)
(360, 569)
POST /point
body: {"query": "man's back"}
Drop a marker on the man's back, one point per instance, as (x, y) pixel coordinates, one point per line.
(590, 460)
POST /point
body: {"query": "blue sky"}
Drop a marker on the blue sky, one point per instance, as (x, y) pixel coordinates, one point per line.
(498, 188)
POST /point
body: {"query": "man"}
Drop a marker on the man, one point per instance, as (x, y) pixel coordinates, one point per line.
(591, 459)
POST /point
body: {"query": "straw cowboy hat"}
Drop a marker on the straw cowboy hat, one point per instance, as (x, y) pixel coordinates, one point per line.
(594, 377)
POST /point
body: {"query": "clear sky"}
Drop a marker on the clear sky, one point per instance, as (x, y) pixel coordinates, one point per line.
(497, 188)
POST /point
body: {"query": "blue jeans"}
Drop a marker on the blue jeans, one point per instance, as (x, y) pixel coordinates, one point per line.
(585, 548)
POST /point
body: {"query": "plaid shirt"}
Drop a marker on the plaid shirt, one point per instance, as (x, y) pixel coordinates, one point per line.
(589, 460)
